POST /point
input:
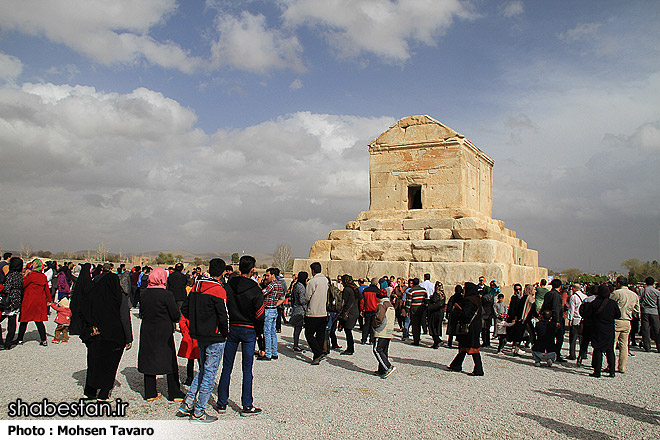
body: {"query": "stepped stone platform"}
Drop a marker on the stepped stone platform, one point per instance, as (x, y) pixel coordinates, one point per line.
(430, 212)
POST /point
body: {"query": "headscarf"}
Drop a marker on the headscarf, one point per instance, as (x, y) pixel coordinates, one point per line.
(440, 289)
(470, 289)
(158, 279)
(80, 303)
(15, 264)
(603, 291)
(37, 265)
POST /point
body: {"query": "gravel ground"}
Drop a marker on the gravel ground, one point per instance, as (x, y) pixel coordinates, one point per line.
(340, 398)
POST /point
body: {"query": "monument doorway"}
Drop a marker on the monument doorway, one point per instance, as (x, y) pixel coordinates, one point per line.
(415, 197)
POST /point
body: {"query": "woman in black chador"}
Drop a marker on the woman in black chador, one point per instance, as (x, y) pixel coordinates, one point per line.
(469, 314)
(100, 316)
(603, 313)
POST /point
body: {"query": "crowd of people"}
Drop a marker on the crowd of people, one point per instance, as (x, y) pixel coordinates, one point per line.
(222, 308)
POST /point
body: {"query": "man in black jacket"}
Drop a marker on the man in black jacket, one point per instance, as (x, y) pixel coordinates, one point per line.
(246, 319)
(206, 310)
(552, 302)
(176, 283)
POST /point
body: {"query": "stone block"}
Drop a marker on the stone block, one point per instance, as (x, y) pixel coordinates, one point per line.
(487, 251)
(387, 250)
(321, 250)
(344, 234)
(346, 250)
(438, 234)
(437, 250)
(398, 235)
(377, 269)
(353, 225)
(428, 223)
(356, 269)
(381, 224)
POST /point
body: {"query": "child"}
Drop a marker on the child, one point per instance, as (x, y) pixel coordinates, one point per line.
(543, 348)
(500, 321)
(188, 349)
(383, 325)
(62, 320)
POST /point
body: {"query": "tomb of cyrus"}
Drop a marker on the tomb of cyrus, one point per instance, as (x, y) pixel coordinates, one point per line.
(430, 211)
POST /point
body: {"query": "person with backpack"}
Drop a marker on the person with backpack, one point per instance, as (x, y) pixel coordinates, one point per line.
(368, 306)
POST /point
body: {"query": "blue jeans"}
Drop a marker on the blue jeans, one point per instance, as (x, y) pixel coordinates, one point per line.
(542, 357)
(406, 326)
(270, 331)
(247, 337)
(210, 355)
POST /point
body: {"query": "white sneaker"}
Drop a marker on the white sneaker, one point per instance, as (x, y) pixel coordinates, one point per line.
(389, 371)
(521, 351)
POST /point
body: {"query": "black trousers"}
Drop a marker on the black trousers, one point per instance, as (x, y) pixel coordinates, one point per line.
(315, 333)
(296, 335)
(11, 329)
(173, 386)
(40, 328)
(559, 338)
(597, 360)
(416, 318)
(350, 344)
(103, 359)
(381, 350)
(457, 363)
(485, 331)
(584, 342)
(367, 328)
(573, 338)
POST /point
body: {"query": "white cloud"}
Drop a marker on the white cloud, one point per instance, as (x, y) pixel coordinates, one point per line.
(246, 43)
(10, 67)
(296, 84)
(512, 8)
(107, 32)
(582, 31)
(384, 28)
(134, 171)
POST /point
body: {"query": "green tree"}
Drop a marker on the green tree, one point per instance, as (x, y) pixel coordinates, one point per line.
(179, 258)
(164, 258)
(234, 258)
(571, 274)
(199, 261)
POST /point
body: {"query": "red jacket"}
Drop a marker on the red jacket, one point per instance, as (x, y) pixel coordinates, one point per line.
(370, 302)
(36, 296)
(63, 315)
(188, 348)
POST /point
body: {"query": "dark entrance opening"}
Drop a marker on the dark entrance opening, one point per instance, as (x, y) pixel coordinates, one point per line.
(415, 197)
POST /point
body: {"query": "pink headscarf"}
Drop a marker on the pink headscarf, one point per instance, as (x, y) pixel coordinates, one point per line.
(158, 279)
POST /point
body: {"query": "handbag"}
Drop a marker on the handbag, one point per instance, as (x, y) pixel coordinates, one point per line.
(463, 328)
(5, 300)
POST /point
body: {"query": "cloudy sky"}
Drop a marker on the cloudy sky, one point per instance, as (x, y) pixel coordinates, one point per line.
(237, 125)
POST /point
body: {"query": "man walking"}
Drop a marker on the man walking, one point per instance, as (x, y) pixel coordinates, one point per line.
(246, 317)
(316, 317)
(368, 306)
(650, 305)
(574, 320)
(552, 301)
(206, 311)
(273, 298)
(176, 283)
(628, 303)
(415, 302)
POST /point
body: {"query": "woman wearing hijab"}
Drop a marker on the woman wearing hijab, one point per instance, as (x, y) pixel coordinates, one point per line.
(514, 333)
(453, 314)
(79, 297)
(157, 353)
(603, 313)
(13, 289)
(298, 308)
(529, 312)
(469, 314)
(350, 311)
(36, 296)
(106, 331)
(436, 314)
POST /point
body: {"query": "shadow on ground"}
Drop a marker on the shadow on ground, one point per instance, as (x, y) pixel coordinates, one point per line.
(625, 409)
(577, 432)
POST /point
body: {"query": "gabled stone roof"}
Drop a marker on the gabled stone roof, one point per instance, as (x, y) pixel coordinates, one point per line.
(418, 129)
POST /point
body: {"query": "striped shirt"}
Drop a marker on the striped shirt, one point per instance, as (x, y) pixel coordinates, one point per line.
(272, 294)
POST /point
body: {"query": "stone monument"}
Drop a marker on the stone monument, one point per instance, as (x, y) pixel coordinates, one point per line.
(430, 211)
